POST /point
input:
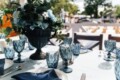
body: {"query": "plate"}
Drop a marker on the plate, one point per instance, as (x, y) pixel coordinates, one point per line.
(8, 64)
(59, 73)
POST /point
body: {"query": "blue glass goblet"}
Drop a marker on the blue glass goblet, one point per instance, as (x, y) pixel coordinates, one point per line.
(110, 45)
(75, 48)
(18, 46)
(66, 54)
(67, 40)
(9, 53)
(52, 59)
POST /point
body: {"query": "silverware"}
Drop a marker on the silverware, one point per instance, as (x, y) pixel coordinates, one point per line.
(13, 70)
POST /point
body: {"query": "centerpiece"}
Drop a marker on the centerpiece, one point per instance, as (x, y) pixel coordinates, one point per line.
(37, 21)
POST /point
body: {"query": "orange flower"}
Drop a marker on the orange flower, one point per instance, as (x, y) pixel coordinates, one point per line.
(6, 22)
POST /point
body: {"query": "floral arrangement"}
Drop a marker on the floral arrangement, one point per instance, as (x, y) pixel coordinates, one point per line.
(35, 14)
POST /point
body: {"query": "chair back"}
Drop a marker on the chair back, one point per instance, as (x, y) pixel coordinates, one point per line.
(116, 38)
(52, 43)
(96, 38)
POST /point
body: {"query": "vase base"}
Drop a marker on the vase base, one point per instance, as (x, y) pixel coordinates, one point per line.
(37, 56)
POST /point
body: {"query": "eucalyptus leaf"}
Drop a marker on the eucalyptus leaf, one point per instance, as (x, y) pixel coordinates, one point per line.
(7, 31)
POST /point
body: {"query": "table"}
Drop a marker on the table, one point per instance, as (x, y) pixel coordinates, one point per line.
(87, 63)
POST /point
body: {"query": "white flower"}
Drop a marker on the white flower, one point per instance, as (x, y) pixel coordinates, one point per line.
(45, 15)
(15, 16)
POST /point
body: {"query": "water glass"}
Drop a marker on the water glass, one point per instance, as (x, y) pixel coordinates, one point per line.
(18, 46)
(52, 59)
(9, 53)
(66, 54)
(110, 45)
(75, 48)
(67, 40)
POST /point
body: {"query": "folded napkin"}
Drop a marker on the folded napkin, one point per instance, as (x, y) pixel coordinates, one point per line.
(47, 75)
(2, 62)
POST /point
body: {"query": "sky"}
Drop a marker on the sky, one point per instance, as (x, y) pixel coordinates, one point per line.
(80, 3)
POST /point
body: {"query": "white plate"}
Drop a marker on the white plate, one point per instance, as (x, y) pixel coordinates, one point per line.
(8, 64)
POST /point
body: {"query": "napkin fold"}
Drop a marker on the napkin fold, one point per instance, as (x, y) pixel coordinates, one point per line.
(47, 75)
(2, 62)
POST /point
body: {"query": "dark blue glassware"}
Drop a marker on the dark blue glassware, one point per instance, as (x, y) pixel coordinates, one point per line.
(117, 64)
(110, 45)
(18, 46)
(66, 54)
(9, 53)
(67, 40)
(52, 59)
(75, 48)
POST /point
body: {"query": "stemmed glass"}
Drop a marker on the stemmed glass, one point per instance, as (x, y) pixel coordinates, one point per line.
(52, 59)
(18, 46)
(66, 54)
(110, 45)
(67, 40)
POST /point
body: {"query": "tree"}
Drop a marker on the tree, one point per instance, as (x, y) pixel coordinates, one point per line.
(89, 10)
(117, 11)
(57, 5)
(91, 6)
(3, 4)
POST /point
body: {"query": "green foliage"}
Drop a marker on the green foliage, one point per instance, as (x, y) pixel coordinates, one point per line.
(6, 10)
(57, 5)
(8, 40)
(91, 6)
(89, 10)
(7, 31)
(117, 12)
(3, 4)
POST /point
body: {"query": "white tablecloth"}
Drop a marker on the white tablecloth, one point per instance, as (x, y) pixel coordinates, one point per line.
(87, 63)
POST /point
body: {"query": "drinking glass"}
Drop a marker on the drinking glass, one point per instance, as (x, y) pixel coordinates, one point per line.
(110, 45)
(67, 40)
(75, 48)
(52, 59)
(18, 46)
(66, 54)
(9, 53)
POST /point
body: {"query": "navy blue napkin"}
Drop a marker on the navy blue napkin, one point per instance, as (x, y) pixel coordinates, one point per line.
(48, 75)
(2, 62)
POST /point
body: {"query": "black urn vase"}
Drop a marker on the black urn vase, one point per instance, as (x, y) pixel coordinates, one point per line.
(38, 38)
